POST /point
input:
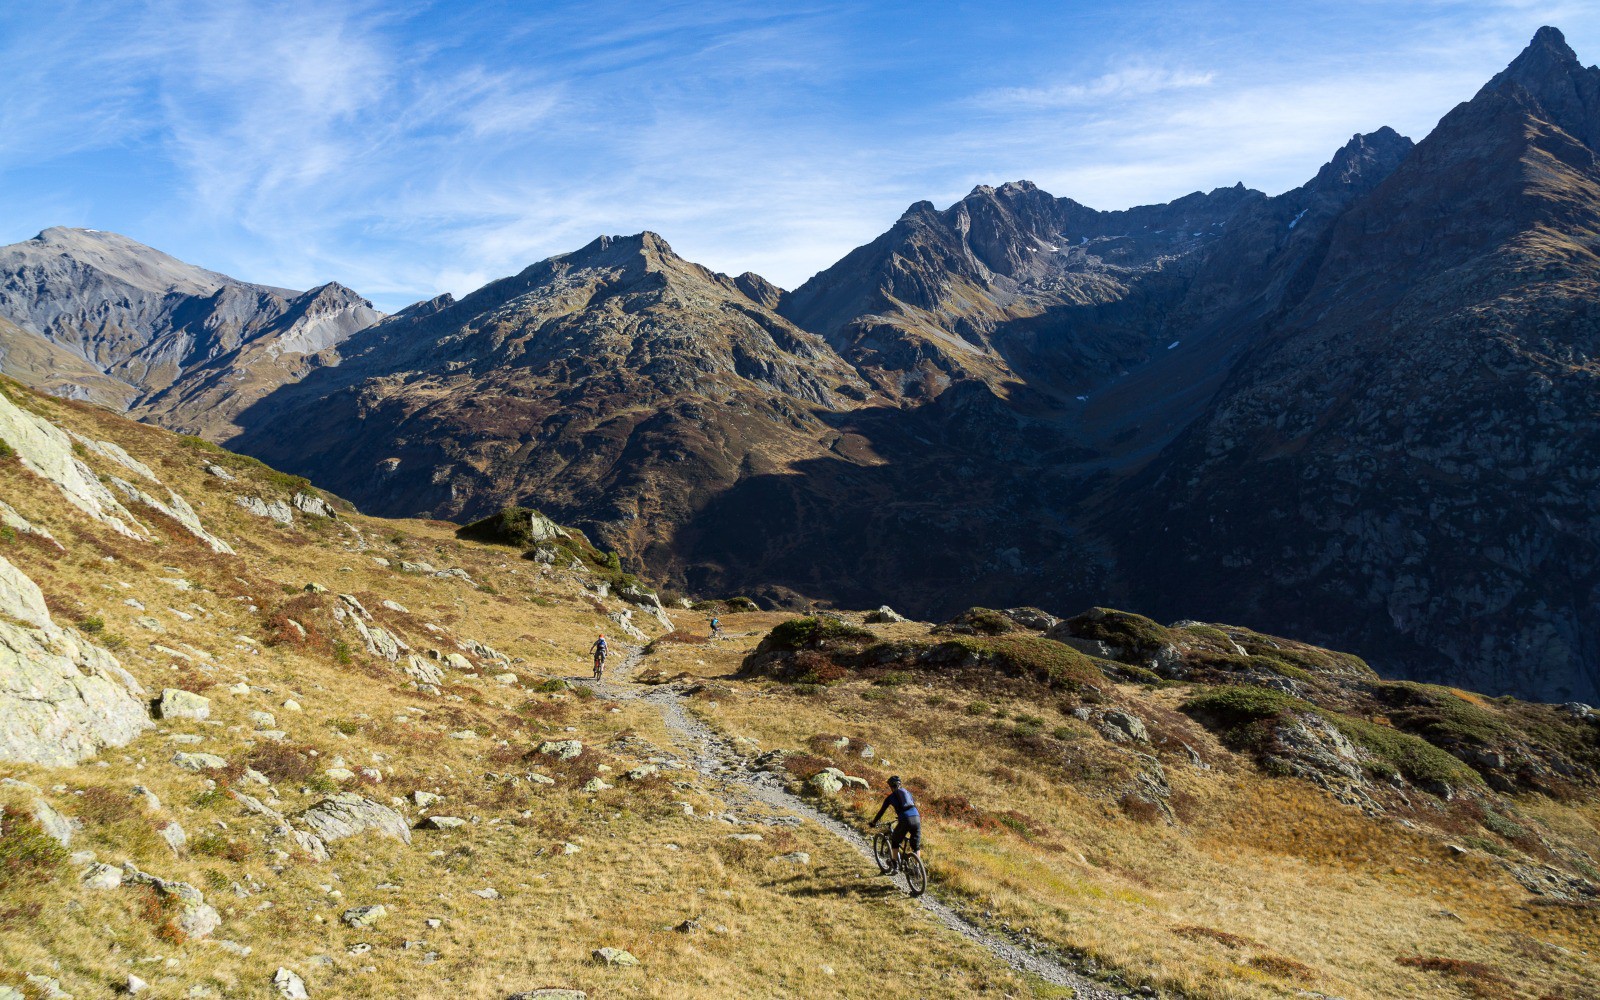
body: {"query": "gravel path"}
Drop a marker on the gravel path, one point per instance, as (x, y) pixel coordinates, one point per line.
(717, 758)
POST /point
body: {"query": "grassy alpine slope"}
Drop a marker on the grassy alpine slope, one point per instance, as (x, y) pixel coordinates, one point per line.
(1195, 810)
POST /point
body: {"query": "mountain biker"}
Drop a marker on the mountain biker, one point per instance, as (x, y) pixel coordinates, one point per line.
(599, 649)
(909, 825)
(716, 626)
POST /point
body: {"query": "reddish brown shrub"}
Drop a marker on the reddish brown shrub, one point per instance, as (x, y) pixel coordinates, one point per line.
(1196, 933)
(1284, 968)
(283, 761)
(1140, 810)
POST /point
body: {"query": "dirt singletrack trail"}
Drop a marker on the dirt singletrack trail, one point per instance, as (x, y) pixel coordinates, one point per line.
(718, 759)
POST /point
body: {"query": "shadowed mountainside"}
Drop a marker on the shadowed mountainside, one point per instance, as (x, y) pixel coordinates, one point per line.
(1361, 411)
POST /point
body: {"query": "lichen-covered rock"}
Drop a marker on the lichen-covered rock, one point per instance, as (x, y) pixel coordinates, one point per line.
(1121, 727)
(45, 450)
(275, 510)
(196, 917)
(313, 505)
(347, 814)
(101, 876)
(198, 761)
(826, 783)
(62, 698)
(647, 599)
(176, 703)
(564, 749)
(289, 985)
(364, 916)
(422, 671)
(179, 510)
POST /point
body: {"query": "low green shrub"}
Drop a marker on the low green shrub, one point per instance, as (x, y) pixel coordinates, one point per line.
(1053, 663)
(800, 633)
(513, 526)
(1134, 634)
(27, 854)
(1244, 715)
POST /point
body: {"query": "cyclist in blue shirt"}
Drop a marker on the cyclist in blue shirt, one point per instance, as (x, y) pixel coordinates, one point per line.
(908, 825)
(599, 650)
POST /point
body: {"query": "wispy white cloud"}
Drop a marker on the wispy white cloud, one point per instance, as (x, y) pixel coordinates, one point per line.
(1133, 81)
(410, 148)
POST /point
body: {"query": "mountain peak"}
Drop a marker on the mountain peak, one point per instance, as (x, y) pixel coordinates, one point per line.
(647, 244)
(1364, 160)
(1566, 91)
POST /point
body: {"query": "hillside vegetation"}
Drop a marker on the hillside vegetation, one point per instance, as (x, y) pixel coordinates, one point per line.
(236, 716)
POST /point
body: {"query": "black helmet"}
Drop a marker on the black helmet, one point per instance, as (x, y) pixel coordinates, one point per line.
(894, 782)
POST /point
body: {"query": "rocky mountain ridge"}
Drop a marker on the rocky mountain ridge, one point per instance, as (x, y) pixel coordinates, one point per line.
(1359, 411)
(121, 324)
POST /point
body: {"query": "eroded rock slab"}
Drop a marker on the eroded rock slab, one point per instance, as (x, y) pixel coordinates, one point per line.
(62, 698)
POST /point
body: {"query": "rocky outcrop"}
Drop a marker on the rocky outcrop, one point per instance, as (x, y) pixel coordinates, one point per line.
(346, 814)
(45, 450)
(178, 509)
(62, 698)
(273, 510)
(195, 917)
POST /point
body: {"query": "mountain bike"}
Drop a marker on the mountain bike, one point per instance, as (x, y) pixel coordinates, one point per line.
(599, 665)
(910, 864)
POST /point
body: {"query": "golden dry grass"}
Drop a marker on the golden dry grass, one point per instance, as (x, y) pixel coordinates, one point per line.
(1262, 887)
(767, 927)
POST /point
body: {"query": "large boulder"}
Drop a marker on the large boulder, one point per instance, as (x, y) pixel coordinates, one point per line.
(563, 749)
(515, 526)
(273, 510)
(176, 703)
(313, 505)
(347, 814)
(647, 599)
(62, 698)
(45, 450)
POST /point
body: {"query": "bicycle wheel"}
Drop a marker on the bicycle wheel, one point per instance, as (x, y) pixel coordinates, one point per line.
(880, 852)
(916, 875)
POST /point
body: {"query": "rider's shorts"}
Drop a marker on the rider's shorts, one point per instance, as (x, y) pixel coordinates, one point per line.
(907, 830)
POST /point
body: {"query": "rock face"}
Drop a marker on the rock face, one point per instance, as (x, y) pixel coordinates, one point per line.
(45, 450)
(97, 316)
(62, 698)
(347, 814)
(1407, 459)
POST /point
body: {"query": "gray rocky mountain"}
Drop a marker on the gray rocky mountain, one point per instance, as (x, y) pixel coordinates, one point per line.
(619, 383)
(1361, 411)
(1408, 456)
(124, 325)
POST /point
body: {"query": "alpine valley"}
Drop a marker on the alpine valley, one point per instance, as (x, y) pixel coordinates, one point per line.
(1364, 412)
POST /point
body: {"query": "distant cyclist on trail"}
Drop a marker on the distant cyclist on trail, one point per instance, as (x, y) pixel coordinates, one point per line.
(599, 650)
(716, 626)
(909, 825)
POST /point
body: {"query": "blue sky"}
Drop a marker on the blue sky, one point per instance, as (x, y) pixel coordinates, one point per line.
(408, 148)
